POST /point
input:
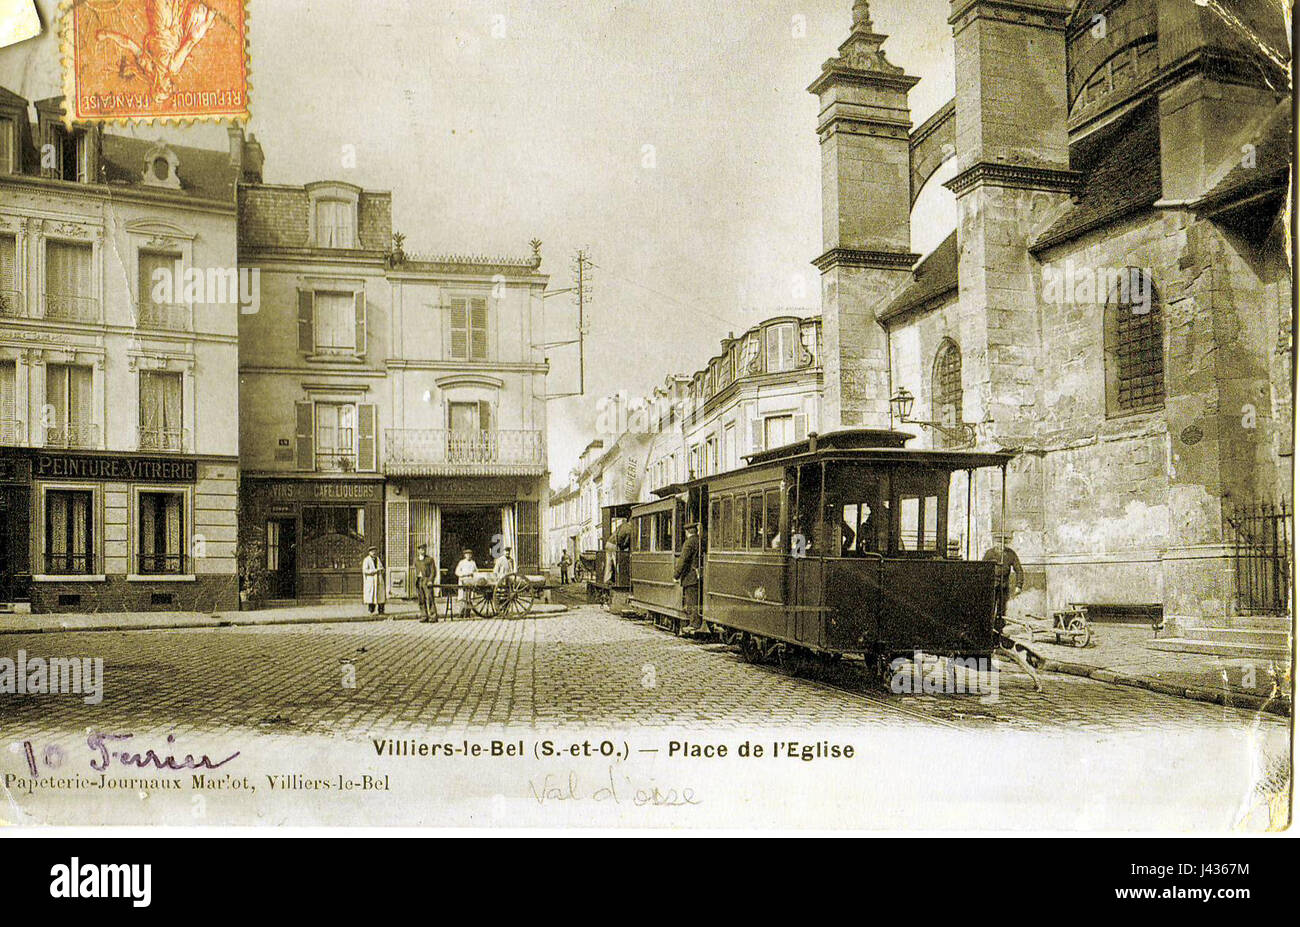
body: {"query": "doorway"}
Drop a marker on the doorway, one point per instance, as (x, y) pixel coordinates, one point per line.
(15, 571)
(282, 557)
(475, 527)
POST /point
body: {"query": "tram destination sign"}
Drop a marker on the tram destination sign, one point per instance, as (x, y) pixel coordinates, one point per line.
(113, 469)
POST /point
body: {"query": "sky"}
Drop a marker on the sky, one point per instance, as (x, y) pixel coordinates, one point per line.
(675, 140)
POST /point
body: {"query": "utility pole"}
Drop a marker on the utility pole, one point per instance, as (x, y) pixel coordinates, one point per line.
(582, 267)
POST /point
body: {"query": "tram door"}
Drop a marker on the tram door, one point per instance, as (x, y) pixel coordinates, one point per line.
(806, 566)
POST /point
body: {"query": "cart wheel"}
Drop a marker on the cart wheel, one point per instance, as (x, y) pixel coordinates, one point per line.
(1080, 632)
(514, 596)
(482, 601)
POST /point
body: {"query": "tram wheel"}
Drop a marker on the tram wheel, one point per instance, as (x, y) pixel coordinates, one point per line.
(751, 651)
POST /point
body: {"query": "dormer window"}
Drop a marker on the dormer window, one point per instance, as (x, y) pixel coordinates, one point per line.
(8, 144)
(333, 215)
(70, 157)
(160, 168)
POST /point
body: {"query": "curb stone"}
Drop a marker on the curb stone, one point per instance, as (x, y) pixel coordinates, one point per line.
(1234, 699)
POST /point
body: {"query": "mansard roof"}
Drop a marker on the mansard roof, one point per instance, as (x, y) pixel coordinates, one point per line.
(202, 172)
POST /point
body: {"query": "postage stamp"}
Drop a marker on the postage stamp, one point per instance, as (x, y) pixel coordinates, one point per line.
(162, 60)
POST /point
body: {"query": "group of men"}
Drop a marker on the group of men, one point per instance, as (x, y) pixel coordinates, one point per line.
(428, 576)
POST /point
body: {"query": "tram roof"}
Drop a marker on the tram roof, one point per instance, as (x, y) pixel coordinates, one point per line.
(860, 444)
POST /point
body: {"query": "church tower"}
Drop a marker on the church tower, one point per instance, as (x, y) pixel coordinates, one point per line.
(864, 127)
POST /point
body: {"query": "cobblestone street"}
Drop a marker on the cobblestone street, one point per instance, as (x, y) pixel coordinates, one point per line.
(584, 668)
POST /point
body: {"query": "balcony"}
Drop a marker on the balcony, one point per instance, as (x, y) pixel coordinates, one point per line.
(165, 317)
(12, 304)
(11, 432)
(159, 439)
(63, 308)
(437, 452)
(72, 437)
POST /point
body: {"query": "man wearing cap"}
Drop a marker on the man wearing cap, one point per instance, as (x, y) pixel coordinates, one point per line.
(426, 583)
(372, 582)
(686, 571)
(503, 566)
(466, 570)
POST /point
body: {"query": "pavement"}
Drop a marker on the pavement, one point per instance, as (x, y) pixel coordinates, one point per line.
(158, 621)
(1122, 654)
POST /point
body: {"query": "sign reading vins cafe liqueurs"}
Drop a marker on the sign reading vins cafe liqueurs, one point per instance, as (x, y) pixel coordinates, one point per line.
(116, 469)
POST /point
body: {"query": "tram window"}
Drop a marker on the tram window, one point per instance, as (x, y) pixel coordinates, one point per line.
(715, 519)
(772, 519)
(909, 523)
(663, 531)
(756, 521)
(645, 534)
(725, 534)
(738, 525)
(849, 530)
(930, 539)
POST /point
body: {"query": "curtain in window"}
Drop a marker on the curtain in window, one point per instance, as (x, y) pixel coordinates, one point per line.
(8, 144)
(67, 270)
(67, 532)
(780, 348)
(334, 224)
(160, 533)
(336, 324)
(8, 380)
(155, 266)
(509, 531)
(8, 264)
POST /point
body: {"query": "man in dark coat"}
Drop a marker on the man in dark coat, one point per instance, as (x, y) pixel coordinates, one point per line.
(1010, 574)
(426, 579)
(686, 571)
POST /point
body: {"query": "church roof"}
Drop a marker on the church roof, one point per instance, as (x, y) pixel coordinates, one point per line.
(1121, 175)
(934, 276)
(1271, 167)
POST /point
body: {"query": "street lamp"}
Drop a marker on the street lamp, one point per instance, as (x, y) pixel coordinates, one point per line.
(959, 434)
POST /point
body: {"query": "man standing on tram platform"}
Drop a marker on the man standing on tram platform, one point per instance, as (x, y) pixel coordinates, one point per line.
(1010, 574)
(686, 571)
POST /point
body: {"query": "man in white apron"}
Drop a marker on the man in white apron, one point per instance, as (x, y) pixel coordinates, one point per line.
(373, 592)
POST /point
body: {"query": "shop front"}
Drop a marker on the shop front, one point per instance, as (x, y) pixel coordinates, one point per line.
(15, 530)
(86, 532)
(450, 515)
(311, 534)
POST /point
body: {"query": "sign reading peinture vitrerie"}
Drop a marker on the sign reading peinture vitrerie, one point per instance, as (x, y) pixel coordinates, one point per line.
(105, 467)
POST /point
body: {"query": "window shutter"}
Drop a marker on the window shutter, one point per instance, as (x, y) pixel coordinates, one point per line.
(800, 427)
(484, 415)
(304, 445)
(757, 440)
(306, 337)
(361, 323)
(8, 264)
(479, 329)
(366, 444)
(460, 329)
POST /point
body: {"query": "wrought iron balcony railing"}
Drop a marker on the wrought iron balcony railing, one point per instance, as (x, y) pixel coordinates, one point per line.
(11, 432)
(13, 305)
(161, 564)
(163, 439)
(439, 452)
(64, 308)
(165, 317)
(72, 436)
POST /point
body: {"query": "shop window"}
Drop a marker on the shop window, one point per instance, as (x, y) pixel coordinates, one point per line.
(333, 537)
(161, 535)
(468, 321)
(69, 532)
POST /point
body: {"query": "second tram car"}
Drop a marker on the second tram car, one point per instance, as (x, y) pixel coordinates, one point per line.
(846, 543)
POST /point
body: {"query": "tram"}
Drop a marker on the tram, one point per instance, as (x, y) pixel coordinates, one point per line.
(845, 543)
(606, 587)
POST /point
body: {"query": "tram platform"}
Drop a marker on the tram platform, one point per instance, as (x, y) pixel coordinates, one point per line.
(1124, 655)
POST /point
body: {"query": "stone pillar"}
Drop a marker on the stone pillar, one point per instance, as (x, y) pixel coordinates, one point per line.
(866, 220)
(1013, 172)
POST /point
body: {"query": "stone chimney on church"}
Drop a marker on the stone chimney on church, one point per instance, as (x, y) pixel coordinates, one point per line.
(864, 128)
